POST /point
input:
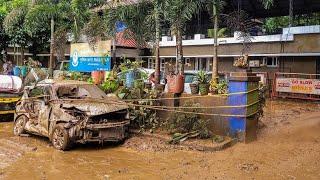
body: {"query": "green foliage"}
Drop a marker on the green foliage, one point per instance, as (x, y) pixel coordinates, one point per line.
(219, 88)
(110, 86)
(75, 76)
(221, 33)
(267, 3)
(272, 25)
(14, 25)
(182, 123)
(94, 30)
(178, 12)
(143, 117)
(129, 65)
(219, 4)
(202, 77)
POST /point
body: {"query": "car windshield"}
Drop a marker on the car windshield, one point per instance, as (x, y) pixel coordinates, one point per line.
(79, 92)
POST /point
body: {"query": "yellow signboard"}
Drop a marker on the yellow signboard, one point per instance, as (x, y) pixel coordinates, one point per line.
(101, 49)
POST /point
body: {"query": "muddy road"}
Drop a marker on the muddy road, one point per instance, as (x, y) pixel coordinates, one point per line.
(288, 147)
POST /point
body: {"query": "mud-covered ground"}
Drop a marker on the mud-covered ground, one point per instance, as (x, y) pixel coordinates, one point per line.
(288, 147)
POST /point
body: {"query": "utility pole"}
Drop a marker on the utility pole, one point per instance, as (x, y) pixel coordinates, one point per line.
(51, 49)
(215, 48)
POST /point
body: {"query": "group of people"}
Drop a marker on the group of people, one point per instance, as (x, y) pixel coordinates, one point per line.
(7, 68)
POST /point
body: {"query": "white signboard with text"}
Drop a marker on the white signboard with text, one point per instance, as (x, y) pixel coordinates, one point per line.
(298, 85)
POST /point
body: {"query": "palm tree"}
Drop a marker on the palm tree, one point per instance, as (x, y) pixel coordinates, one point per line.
(143, 24)
(216, 7)
(65, 18)
(177, 13)
(157, 14)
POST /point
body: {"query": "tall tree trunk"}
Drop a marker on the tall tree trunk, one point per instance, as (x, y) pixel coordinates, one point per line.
(14, 53)
(180, 60)
(22, 55)
(215, 48)
(113, 51)
(157, 50)
(290, 13)
(51, 49)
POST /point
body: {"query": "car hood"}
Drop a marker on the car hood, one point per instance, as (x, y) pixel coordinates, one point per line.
(94, 108)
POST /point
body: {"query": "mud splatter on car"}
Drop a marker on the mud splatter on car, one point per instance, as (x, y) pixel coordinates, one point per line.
(68, 112)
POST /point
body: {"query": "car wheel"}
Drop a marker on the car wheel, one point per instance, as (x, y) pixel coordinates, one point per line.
(19, 125)
(60, 138)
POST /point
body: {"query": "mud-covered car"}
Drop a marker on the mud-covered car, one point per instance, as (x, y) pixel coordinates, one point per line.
(68, 112)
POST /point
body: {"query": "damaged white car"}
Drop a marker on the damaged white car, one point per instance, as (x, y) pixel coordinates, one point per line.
(68, 112)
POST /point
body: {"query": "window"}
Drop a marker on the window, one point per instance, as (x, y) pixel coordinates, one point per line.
(271, 61)
(151, 63)
(187, 61)
(162, 64)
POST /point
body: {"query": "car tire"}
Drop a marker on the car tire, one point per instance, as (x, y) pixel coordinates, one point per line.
(19, 125)
(60, 138)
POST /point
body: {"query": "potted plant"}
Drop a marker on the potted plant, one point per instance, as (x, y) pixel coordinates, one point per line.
(130, 72)
(202, 78)
(194, 86)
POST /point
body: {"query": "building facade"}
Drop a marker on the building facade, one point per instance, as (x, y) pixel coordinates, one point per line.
(296, 50)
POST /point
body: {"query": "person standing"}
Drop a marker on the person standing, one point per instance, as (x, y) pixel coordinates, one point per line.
(8, 68)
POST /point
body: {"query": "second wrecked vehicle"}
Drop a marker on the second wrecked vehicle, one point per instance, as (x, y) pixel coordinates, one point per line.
(70, 111)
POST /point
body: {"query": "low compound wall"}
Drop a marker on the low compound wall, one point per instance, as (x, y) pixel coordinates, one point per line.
(217, 124)
(234, 114)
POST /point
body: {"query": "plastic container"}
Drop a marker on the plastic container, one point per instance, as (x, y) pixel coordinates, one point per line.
(97, 77)
(16, 71)
(175, 83)
(129, 79)
(24, 71)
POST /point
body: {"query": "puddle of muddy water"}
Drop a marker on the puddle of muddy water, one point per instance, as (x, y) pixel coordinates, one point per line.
(88, 163)
(265, 158)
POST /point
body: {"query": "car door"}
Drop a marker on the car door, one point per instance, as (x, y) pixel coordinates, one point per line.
(38, 109)
(45, 110)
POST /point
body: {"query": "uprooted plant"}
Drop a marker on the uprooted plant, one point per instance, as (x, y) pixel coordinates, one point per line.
(187, 125)
(142, 117)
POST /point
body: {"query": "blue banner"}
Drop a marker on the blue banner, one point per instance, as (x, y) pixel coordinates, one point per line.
(89, 64)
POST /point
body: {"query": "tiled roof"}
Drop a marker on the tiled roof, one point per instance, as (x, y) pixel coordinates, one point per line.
(122, 41)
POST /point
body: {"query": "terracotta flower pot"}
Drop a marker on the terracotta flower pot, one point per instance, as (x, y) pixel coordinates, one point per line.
(97, 77)
(204, 89)
(175, 83)
(194, 88)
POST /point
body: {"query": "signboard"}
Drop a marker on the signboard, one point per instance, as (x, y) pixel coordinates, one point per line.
(84, 59)
(298, 85)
